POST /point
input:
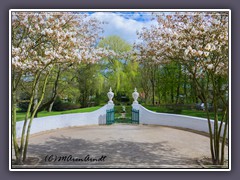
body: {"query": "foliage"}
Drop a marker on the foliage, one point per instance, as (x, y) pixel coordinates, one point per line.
(21, 115)
(119, 71)
(199, 43)
(185, 110)
(41, 42)
(118, 111)
(90, 83)
(59, 105)
(23, 104)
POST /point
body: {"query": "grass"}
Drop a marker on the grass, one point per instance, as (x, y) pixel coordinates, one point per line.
(193, 112)
(21, 115)
(123, 120)
(160, 109)
(118, 115)
(118, 111)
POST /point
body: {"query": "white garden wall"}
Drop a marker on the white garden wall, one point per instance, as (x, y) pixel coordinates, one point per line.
(149, 117)
(99, 117)
(67, 120)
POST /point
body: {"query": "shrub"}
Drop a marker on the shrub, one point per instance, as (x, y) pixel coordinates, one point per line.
(23, 104)
(59, 105)
(174, 108)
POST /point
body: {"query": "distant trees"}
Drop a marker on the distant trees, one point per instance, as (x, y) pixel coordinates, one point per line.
(90, 83)
(119, 71)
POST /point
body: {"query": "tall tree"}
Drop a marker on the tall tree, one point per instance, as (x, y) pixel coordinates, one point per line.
(117, 68)
(41, 41)
(199, 42)
(90, 82)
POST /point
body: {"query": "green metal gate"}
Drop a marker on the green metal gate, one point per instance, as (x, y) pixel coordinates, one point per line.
(135, 116)
(110, 116)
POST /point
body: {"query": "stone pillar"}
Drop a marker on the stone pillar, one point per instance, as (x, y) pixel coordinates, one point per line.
(110, 95)
(135, 96)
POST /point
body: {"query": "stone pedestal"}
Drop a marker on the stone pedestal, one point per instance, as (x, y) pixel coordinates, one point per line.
(110, 95)
(135, 106)
(110, 106)
(135, 96)
(123, 115)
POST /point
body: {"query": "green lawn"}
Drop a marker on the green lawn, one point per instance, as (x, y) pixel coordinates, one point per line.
(21, 115)
(118, 110)
(196, 113)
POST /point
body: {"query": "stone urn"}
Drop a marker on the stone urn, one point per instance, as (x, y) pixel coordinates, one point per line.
(135, 96)
(123, 114)
(110, 95)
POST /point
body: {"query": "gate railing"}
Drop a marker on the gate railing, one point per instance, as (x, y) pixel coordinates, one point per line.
(135, 116)
(110, 116)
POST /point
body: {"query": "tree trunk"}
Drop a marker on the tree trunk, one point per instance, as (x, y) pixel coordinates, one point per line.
(159, 97)
(146, 96)
(35, 102)
(50, 107)
(153, 94)
(32, 116)
(185, 86)
(178, 93)
(224, 141)
(153, 85)
(204, 94)
(49, 104)
(14, 135)
(172, 95)
(84, 99)
(179, 83)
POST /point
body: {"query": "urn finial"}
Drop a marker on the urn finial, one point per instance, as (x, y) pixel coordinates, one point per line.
(110, 95)
(135, 96)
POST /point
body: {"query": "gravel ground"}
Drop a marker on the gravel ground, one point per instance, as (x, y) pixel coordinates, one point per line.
(117, 146)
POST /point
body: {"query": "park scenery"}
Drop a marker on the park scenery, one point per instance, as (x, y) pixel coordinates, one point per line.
(119, 90)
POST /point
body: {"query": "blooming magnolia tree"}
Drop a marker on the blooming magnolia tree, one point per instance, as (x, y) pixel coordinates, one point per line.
(41, 41)
(199, 42)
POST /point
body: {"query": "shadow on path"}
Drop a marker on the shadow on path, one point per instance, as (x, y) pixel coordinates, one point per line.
(120, 154)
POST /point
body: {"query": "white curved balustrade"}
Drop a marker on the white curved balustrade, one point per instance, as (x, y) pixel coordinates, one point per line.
(67, 120)
(199, 124)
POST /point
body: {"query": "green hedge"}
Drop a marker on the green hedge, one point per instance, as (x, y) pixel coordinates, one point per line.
(59, 105)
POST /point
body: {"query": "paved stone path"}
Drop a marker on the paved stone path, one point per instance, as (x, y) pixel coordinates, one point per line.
(125, 146)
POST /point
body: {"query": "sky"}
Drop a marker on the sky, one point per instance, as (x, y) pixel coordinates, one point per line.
(124, 24)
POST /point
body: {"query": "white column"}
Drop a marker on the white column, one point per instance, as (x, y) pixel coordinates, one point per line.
(135, 96)
(110, 95)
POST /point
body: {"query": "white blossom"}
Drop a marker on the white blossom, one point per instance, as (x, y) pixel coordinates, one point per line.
(210, 66)
(206, 54)
(208, 47)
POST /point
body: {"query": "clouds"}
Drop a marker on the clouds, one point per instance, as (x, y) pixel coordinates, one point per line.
(124, 24)
(138, 16)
